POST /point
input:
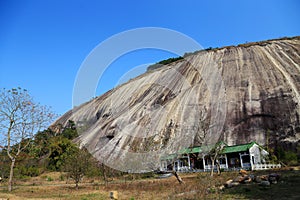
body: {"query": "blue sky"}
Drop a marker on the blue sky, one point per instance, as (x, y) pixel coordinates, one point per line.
(43, 43)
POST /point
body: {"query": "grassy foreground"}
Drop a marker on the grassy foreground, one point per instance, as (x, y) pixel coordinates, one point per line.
(196, 186)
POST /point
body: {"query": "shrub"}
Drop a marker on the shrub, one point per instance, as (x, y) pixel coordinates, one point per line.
(163, 62)
(291, 158)
(288, 157)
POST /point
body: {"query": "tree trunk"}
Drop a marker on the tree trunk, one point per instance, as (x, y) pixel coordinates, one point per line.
(104, 174)
(76, 185)
(218, 167)
(179, 179)
(11, 175)
(212, 166)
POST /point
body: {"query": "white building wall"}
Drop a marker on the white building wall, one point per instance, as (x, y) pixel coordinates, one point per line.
(257, 154)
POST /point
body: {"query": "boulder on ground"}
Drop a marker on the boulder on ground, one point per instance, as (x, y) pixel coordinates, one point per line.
(113, 195)
(273, 178)
(257, 179)
(235, 183)
(245, 179)
(243, 172)
(264, 183)
(252, 176)
(231, 183)
(222, 187)
(264, 177)
(228, 183)
(248, 179)
(238, 179)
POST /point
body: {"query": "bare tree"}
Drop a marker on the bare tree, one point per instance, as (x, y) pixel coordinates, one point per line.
(214, 155)
(179, 179)
(20, 119)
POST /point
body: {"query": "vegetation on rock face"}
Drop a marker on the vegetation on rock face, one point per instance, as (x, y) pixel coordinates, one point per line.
(163, 62)
(245, 45)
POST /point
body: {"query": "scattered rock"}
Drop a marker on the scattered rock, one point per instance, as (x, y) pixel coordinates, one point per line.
(263, 180)
(247, 179)
(243, 172)
(274, 182)
(273, 178)
(228, 183)
(238, 179)
(252, 177)
(113, 195)
(235, 183)
(264, 177)
(257, 179)
(231, 183)
(264, 183)
(222, 187)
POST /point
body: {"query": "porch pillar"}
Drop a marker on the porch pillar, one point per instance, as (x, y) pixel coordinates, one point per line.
(241, 158)
(162, 165)
(189, 161)
(251, 162)
(174, 166)
(203, 163)
(226, 162)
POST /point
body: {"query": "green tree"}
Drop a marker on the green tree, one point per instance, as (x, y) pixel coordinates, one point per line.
(60, 147)
(20, 119)
(77, 164)
(70, 131)
(286, 157)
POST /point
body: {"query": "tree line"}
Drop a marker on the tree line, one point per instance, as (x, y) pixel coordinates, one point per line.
(28, 148)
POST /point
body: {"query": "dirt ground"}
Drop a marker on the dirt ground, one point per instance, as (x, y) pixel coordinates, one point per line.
(196, 186)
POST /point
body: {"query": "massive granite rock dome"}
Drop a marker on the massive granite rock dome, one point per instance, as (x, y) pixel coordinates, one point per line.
(257, 99)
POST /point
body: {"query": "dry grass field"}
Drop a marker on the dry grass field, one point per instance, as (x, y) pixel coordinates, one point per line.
(197, 186)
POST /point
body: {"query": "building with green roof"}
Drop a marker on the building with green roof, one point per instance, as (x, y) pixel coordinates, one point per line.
(242, 156)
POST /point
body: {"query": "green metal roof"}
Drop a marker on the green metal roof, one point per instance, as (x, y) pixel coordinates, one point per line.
(207, 148)
(169, 157)
(196, 150)
(204, 148)
(190, 150)
(227, 149)
(238, 148)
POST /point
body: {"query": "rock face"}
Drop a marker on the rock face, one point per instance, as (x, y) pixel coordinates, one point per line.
(250, 92)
